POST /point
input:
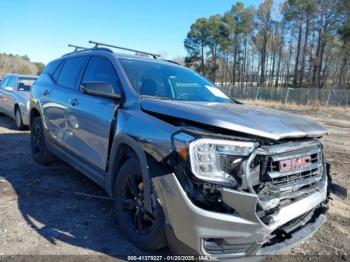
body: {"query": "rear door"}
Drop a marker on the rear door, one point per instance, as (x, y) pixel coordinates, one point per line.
(56, 100)
(91, 117)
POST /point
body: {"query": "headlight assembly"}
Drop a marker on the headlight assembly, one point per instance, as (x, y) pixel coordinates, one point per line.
(215, 160)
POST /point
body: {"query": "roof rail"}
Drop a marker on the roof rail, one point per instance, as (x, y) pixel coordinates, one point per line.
(77, 48)
(171, 61)
(97, 44)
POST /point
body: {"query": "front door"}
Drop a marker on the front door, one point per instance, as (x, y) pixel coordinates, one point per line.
(90, 118)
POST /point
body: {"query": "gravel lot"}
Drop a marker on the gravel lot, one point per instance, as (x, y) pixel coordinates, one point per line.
(43, 209)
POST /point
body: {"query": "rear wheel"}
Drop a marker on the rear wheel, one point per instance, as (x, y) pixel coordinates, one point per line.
(40, 153)
(146, 230)
(19, 121)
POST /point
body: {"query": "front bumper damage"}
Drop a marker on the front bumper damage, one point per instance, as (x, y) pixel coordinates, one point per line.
(240, 235)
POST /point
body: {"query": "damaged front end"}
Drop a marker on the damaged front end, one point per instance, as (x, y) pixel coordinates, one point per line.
(286, 173)
(230, 198)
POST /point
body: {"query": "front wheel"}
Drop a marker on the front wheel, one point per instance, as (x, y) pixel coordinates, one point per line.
(40, 152)
(143, 229)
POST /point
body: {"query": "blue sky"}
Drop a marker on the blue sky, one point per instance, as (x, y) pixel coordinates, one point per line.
(42, 29)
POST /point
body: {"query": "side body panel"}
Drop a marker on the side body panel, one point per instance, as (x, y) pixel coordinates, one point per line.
(148, 137)
(3, 83)
(153, 134)
(9, 97)
(78, 123)
(22, 100)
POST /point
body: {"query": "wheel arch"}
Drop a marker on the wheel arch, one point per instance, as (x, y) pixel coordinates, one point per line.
(33, 114)
(16, 105)
(124, 147)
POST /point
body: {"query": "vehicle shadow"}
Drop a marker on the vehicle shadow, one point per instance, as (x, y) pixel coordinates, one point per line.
(8, 123)
(57, 202)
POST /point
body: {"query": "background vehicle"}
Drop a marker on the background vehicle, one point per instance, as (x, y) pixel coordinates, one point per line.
(185, 164)
(14, 97)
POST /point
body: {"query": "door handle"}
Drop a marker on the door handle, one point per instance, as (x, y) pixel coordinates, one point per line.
(73, 101)
(46, 92)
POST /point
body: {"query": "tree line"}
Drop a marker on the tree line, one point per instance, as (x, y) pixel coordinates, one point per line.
(296, 43)
(10, 63)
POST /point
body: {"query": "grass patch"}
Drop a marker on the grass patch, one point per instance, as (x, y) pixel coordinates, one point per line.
(315, 107)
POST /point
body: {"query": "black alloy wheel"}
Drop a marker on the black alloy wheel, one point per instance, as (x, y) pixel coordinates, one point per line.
(144, 229)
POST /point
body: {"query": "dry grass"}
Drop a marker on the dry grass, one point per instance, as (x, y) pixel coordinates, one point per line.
(316, 107)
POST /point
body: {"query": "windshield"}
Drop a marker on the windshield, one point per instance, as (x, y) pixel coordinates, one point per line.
(171, 82)
(25, 84)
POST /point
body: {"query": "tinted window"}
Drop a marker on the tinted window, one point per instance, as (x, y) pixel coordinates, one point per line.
(70, 72)
(25, 83)
(51, 67)
(58, 70)
(101, 69)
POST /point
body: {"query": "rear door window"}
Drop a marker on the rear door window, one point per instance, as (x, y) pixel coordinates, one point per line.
(12, 82)
(101, 69)
(71, 71)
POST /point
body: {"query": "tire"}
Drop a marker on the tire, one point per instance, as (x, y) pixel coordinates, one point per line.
(130, 214)
(40, 153)
(19, 121)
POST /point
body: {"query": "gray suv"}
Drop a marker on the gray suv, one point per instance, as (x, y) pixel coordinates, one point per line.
(14, 97)
(186, 165)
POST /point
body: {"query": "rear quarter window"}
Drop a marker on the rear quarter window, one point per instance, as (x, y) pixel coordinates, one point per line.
(51, 67)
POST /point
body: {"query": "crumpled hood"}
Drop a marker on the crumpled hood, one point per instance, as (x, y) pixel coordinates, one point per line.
(253, 120)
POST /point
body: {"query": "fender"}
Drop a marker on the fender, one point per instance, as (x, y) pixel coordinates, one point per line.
(119, 141)
(34, 106)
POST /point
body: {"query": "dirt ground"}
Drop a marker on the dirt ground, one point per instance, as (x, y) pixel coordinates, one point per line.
(334, 236)
(43, 210)
(47, 210)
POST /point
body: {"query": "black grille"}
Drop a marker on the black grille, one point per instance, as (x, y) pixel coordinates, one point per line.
(307, 174)
(274, 166)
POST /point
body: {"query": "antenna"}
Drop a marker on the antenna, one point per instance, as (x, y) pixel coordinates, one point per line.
(97, 44)
(77, 48)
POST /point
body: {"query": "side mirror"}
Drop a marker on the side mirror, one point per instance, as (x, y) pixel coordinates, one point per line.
(9, 88)
(103, 89)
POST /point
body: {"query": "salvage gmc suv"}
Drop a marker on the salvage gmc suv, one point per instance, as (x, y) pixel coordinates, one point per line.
(186, 165)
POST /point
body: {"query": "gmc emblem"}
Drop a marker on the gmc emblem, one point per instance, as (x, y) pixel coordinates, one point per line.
(295, 163)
